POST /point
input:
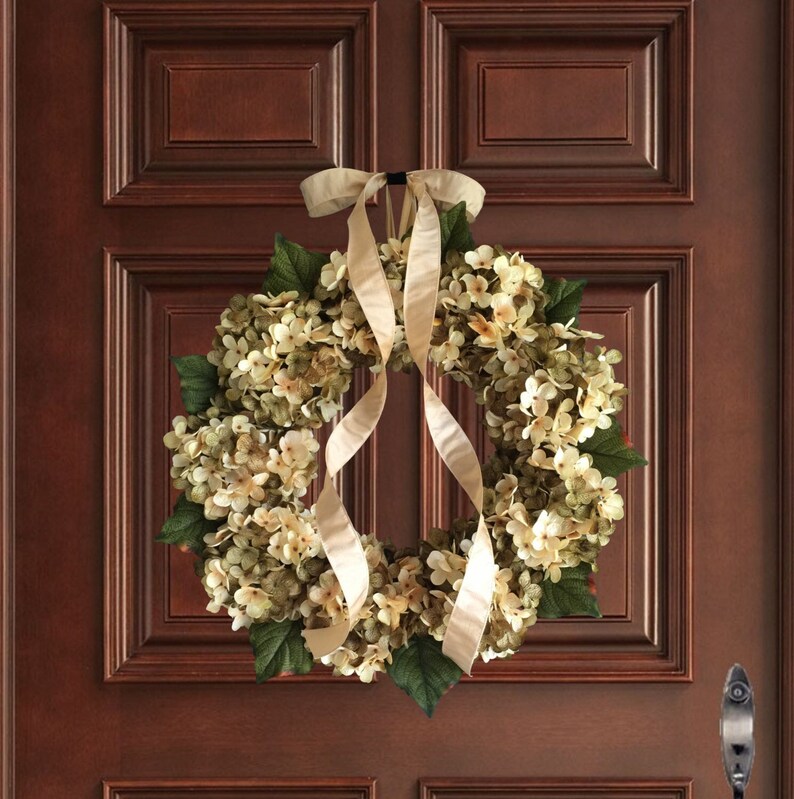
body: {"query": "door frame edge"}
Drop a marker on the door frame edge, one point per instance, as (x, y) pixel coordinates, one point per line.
(786, 399)
(7, 288)
(786, 531)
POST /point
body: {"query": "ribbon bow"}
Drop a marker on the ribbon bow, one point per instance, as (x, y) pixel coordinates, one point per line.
(326, 193)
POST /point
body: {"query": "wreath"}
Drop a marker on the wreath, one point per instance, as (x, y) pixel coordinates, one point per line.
(245, 454)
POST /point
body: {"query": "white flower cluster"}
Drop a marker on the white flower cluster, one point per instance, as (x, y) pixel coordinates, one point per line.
(259, 561)
(544, 394)
(284, 364)
(230, 464)
(279, 359)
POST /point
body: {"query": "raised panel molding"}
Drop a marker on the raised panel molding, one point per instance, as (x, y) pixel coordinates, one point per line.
(571, 101)
(642, 299)
(156, 628)
(555, 789)
(195, 93)
(225, 117)
(365, 788)
(557, 115)
(333, 788)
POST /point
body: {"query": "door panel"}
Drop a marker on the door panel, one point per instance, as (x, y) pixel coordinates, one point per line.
(156, 626)
(641, 301)
(239, 789)
(604, 113)
(185, 120)
(555, 789)
(631, 143)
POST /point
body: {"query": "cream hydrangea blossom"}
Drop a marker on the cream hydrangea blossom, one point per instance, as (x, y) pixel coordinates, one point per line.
(284, 364)
(294, 539)
(230, 465)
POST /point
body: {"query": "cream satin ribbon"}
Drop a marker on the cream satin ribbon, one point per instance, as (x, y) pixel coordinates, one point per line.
(328, 192)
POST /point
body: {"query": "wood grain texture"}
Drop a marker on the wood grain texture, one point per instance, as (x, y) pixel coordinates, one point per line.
(241, 788)
(646, 633)
(72, 729)
(7, 389)
(234, 103)
(216, 104)
(786, 535)
(156, 628)
(555, 789)
(605, 109)
(553, 111)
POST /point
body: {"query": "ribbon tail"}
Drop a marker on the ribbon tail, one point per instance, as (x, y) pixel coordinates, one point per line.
(327, 192)
(330, 191)
(349, 565)
(473, 603)
(341, 541)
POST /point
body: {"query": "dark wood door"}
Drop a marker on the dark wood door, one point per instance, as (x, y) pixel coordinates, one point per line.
(631, 142)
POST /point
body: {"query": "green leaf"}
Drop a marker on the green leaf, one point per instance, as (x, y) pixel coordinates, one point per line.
(293, 268)
(279, 649)
(565, 297)
(455, 233)
(423, 671)
(611, 454)
(199, 381)
(571, 596)
(187, 526)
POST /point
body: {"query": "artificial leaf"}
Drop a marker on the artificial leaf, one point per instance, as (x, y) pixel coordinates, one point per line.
(611, 454)
(565, 297)
(279, 649)
(571, 596)
(198, 379)
(293, 268)
(423, 671)
(187, 526)
(455, 233)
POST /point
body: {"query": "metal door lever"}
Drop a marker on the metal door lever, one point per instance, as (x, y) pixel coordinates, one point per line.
(736, 730)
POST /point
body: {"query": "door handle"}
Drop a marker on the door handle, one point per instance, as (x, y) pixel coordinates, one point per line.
(736, 729)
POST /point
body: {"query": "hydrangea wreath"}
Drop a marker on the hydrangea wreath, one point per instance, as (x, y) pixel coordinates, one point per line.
(281, 361)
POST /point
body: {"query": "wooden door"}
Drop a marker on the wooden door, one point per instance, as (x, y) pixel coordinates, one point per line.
(631, 142)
